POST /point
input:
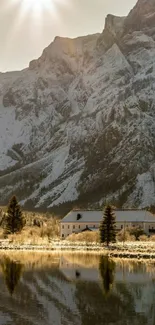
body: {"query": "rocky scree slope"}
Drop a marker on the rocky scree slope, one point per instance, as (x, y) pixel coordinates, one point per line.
(78, 125)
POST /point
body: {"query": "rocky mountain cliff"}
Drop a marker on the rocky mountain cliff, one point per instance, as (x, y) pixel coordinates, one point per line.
(78, 125)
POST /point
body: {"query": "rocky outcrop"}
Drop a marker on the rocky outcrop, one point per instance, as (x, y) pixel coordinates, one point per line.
(141, 17)
(114, 25)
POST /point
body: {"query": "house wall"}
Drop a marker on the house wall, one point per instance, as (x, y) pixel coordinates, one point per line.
(69, 228)
(149, 226)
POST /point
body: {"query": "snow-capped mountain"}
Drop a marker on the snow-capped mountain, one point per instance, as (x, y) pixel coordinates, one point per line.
(78, 125)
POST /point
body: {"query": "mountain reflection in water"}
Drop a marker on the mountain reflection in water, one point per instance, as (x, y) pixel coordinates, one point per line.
(75, 290)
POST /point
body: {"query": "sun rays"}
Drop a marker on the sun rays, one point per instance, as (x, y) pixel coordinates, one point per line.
(37, 6)
(32, 15)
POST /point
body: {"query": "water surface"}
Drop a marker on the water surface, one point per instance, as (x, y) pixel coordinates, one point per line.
(75, 290)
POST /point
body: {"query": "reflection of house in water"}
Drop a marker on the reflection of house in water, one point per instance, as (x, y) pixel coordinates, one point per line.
(132, 277)
(130, 284)
(75, 271)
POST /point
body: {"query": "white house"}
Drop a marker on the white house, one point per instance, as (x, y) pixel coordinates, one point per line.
(81, 220)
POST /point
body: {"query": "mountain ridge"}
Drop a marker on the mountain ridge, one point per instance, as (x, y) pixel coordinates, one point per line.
(77, 126)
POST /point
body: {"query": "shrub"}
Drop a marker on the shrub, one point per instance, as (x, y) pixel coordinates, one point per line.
(38, 227)
(87, 236)
(152, 238)
(137, 232)
(125, 236)
(29, 236)
(2, 235)
(143, 238)
(37, 235)
(132, 238)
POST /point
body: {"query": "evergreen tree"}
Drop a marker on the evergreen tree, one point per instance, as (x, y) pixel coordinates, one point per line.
(14, 221)
(107, 226)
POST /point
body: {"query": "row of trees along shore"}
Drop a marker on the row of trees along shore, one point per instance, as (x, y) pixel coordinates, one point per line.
(14, 222)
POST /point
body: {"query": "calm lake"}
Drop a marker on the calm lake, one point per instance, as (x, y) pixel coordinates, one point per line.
(46, 289)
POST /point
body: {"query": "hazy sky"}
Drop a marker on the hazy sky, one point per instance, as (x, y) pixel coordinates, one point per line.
(28, 26)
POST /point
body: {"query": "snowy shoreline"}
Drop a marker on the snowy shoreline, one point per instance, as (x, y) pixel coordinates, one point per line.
(129, 250)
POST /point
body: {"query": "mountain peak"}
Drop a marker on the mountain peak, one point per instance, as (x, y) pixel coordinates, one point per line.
(145, 2)
(143, 7)
(114, 24)
(142, 16)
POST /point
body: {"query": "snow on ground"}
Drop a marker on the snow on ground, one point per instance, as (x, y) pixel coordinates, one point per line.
(144, 190)
(6, 161)
(65, 191)
(138, 36)
(4, 319)
(58, 163)
(11, 132)
(70, 192)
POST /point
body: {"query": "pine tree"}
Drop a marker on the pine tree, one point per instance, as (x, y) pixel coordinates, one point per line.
(107, 226)
(14, 221)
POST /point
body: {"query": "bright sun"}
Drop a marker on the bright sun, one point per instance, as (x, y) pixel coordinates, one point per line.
(37, 5)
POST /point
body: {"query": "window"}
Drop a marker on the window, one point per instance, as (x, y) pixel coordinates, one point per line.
(86, 226)
(73, 227)
(62, 235)
(94, 226)
(68, 227)
(121, 226)
(79, 226)
(63, 227)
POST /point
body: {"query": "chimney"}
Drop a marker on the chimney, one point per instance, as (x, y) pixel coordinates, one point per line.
(79, 216)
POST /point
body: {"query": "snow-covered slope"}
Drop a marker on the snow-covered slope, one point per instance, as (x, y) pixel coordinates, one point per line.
(78, 125)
